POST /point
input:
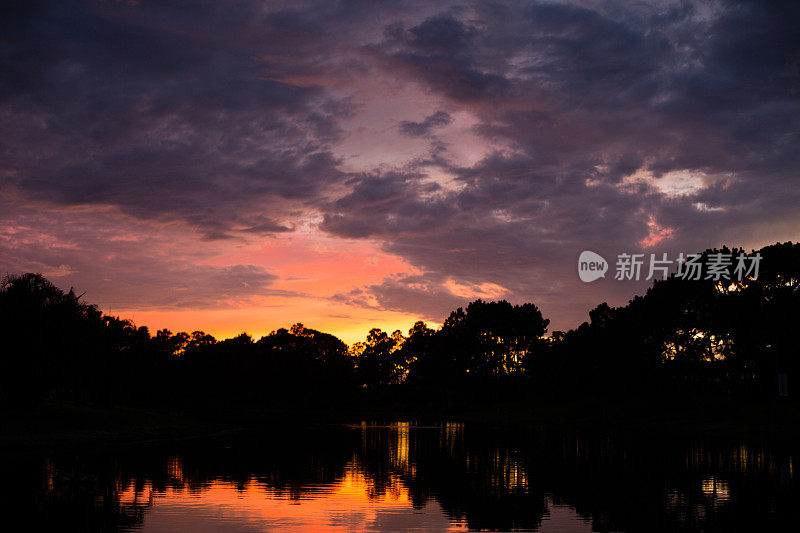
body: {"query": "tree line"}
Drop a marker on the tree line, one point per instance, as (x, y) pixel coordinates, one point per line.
(725, 336)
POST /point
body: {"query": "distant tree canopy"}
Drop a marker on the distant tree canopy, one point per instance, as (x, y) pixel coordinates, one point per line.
(719, 335)
(706, 334)
(487, 339)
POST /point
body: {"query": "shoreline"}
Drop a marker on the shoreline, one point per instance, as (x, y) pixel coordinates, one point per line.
(63, 423)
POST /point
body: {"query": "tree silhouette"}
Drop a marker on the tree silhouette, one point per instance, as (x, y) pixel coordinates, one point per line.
(493, 338)
(695, 336)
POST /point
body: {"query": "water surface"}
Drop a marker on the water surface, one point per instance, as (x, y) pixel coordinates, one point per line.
(401, 477)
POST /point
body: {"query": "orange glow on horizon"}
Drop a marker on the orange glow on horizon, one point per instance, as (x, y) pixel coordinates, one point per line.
(351, 324)
(310, 268)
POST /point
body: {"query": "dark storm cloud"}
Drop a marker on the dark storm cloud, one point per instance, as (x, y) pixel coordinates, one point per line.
(170, 112)
(507, 231)
(227, 117)
(687, 89)
(583, 98)
(439, 51)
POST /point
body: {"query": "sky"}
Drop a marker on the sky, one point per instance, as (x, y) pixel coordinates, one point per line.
(242, 166)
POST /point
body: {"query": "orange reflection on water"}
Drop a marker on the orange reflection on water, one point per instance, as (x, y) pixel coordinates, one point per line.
(349, 504)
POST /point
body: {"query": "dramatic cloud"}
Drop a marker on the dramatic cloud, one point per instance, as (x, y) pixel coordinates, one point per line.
(621, 132)
(481, 145)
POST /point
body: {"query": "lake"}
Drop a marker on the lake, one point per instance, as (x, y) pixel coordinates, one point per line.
(405, 477)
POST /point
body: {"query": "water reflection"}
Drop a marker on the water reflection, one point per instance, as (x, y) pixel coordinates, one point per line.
(403, 476)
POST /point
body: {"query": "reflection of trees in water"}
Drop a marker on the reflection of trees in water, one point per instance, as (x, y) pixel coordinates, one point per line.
(476, 480)
(660, 485)
(66, 495)
(486, 478)
(502, 480)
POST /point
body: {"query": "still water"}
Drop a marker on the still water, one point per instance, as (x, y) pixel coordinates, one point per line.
(402, 477)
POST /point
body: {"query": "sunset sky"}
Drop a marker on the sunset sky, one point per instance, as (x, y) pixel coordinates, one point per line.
(241, 166)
